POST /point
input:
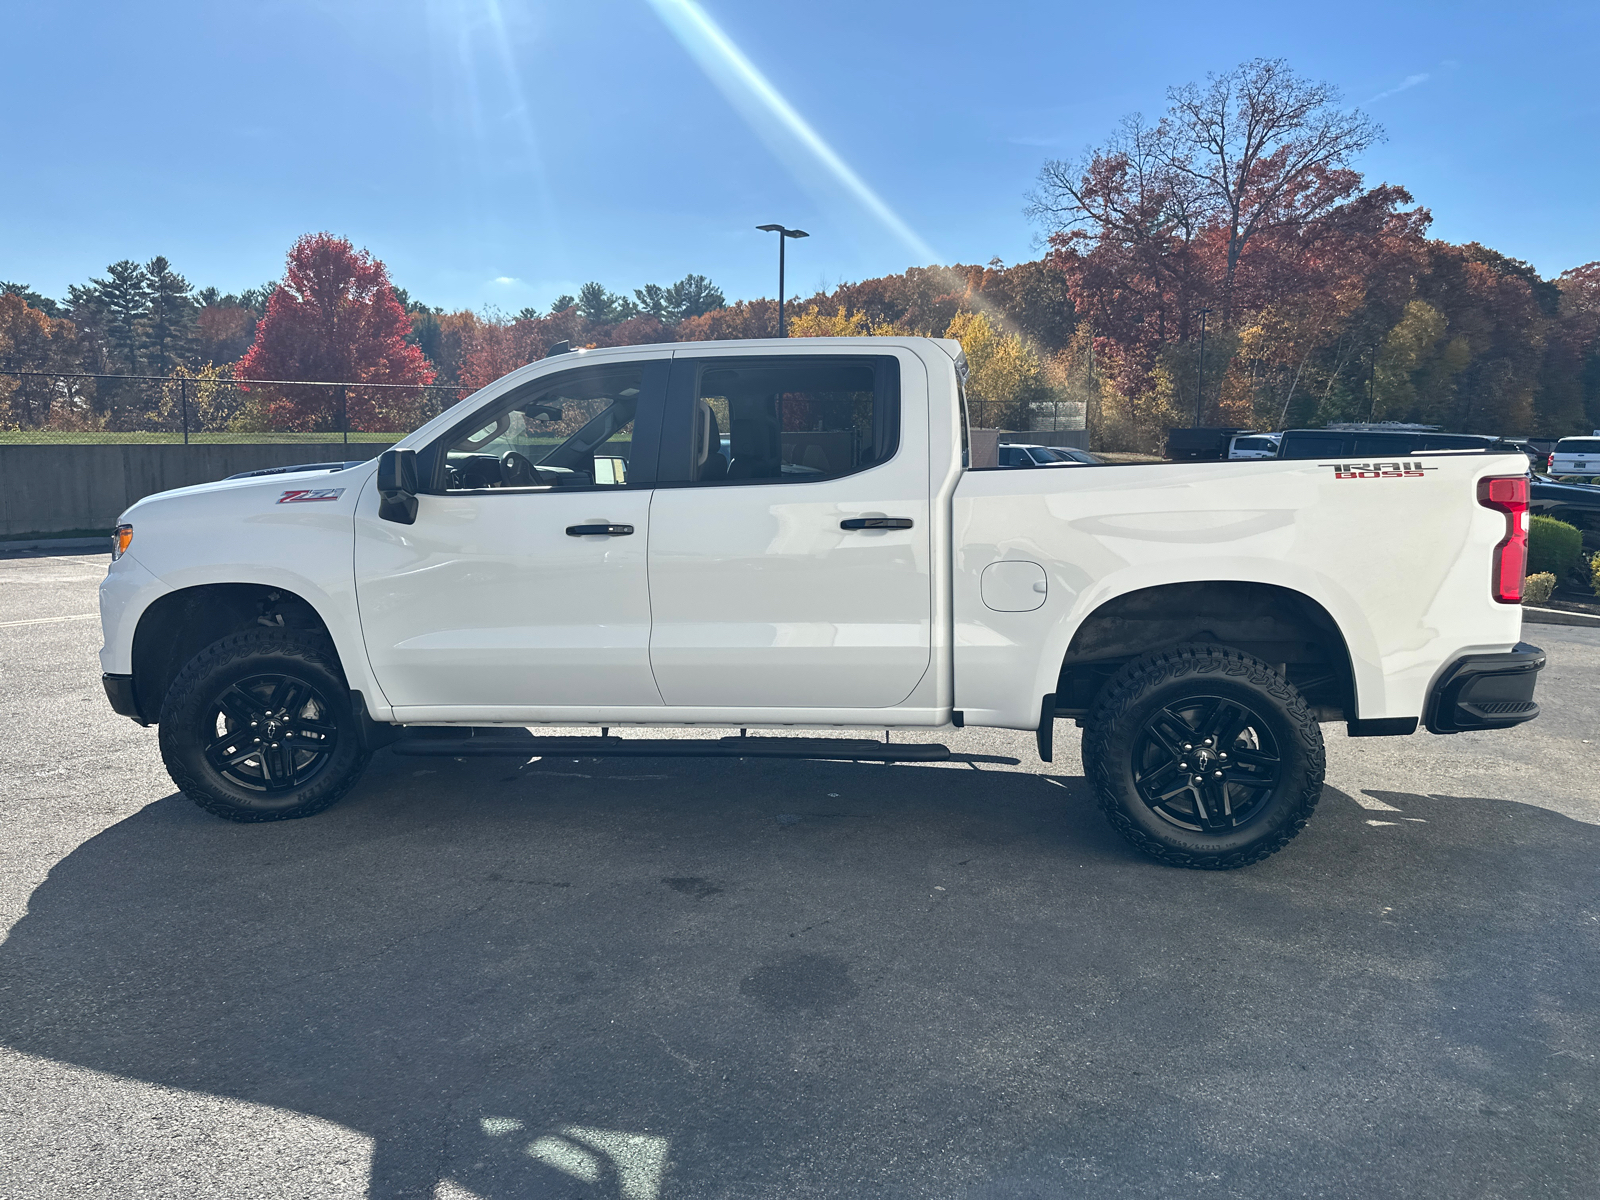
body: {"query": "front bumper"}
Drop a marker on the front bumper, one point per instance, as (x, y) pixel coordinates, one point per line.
(1486, 691)
(119, 690)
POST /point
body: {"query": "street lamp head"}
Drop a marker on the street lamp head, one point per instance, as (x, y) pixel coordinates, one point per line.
(770, 228)
(779, 229)
(795, 233)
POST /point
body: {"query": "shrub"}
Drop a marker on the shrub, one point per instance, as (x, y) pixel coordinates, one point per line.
(1594, 574)
(1536, 589)
(1554, 547)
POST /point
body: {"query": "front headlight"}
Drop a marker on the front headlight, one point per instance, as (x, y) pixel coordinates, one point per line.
(120, 541)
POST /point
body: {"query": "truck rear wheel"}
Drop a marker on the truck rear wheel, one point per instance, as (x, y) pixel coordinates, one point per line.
(258, 727)
(1204, 757)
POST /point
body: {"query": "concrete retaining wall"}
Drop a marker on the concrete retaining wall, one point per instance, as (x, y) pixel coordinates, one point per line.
(83, 489)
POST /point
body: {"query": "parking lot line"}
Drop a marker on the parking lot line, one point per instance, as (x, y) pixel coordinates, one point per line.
(50, 620)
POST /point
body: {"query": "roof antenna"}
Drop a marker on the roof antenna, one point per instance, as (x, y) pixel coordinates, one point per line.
(559, 348)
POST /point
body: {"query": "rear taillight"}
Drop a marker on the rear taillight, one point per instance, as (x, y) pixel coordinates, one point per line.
(1509, 496)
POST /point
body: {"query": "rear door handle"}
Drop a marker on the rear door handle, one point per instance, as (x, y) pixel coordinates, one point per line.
(599, 530)
(876, 523)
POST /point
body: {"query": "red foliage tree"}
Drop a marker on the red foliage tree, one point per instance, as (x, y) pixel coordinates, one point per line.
(335, 317)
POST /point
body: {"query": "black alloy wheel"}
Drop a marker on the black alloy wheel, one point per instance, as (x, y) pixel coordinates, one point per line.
(1203, 756)
(259, 727)
(1207, 764)
(269, 733)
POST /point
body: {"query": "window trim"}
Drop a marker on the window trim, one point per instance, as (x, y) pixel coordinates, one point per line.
(647, 426)
(675, 461)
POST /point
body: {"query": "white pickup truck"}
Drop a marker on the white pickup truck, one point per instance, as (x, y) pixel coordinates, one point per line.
(787, 534)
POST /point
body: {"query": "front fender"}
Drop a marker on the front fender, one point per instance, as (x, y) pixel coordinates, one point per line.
(245, 533)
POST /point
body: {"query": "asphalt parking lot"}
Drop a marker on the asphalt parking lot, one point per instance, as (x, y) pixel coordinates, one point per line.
(648, 978)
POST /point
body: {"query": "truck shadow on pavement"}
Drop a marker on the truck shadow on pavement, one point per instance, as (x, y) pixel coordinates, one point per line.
(645, 979)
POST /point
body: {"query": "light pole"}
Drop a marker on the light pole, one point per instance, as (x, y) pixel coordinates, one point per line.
(1200, 375)
(783, 235)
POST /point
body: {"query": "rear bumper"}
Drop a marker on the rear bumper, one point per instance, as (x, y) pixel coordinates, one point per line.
(119, 690)
(1486, 691)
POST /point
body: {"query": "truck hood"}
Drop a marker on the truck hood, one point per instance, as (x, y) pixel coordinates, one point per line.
(277, 480)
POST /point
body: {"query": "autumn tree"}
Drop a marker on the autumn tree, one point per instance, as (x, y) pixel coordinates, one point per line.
(1256, 151)
(335, 317)
(32, 340)
(1570, 385)
(31, 298)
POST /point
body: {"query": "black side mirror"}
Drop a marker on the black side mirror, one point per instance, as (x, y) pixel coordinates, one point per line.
(397, 486)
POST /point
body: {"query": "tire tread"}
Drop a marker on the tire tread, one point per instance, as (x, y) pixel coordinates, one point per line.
(279, 642)
(1135, 680)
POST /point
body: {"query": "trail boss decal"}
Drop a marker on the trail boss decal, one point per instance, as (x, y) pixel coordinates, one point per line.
(310, 495)
(1378, 470)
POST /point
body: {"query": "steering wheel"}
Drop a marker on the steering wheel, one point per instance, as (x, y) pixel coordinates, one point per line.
(516, 470)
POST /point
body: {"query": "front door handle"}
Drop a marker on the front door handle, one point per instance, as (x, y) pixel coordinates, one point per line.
(876, 523)
(599, 530)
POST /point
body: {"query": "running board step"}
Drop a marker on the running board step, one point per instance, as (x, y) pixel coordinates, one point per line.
(449, 741)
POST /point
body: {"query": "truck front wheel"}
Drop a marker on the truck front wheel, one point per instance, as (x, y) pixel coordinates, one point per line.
(258, 727)
(1204, 757)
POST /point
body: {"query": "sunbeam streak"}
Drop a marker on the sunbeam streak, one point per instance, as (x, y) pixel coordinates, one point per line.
(747, 87)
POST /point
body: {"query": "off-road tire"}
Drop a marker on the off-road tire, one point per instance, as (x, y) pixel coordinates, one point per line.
(192, 707)
(1146, 691)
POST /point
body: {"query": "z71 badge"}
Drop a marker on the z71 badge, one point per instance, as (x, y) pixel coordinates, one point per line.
(1378, 470)
(310, 495)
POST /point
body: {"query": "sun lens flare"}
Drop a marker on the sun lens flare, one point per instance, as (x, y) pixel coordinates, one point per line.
(754, 95)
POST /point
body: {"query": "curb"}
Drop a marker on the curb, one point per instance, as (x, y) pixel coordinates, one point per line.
(79, 545)
(1556, 616)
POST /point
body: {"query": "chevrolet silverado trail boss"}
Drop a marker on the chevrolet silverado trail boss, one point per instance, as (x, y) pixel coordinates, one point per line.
(781, 534)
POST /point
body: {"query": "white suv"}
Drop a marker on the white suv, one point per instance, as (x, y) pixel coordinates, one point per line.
(1576, 456)
(1253, 445)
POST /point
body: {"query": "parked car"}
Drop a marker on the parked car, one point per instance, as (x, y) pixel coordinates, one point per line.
(1042, 456)
(1253, 445)
(836, 566)
(1576, 456)
(1355, 444)
(1577, 504)
(1199, 443)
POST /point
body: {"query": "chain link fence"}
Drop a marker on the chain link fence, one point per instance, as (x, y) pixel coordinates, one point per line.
(208, 407)
(1041, 416)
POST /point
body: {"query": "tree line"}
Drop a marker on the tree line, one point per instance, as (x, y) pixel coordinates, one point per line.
(1323, 299)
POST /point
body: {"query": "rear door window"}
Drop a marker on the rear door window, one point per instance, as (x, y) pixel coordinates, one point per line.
(786, 420)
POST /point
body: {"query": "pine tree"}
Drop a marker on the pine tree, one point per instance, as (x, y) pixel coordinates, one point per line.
(121, 300)
(693, 296)
(605, 307)
(168, 327)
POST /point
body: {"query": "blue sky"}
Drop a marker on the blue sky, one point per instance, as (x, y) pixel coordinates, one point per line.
(500, 152)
